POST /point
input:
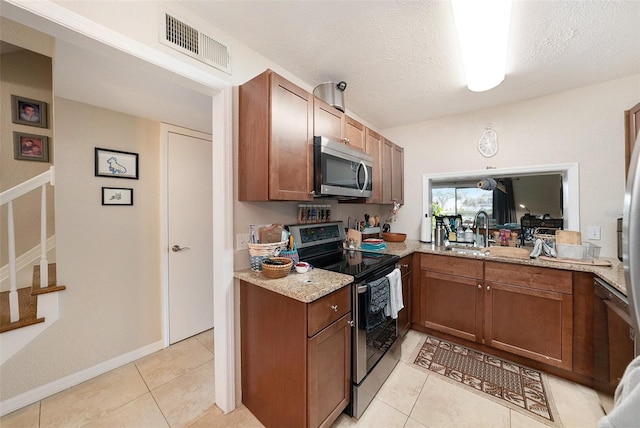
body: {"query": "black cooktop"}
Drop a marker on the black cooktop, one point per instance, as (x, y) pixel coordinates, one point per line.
(359, 264)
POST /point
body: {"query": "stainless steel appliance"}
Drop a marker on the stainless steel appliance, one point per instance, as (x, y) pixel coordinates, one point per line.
(340, 170)
(631, 238)
(373, 353)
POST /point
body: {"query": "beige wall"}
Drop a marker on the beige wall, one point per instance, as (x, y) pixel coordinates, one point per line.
(585, 125)
(108, 256)
(25, 74)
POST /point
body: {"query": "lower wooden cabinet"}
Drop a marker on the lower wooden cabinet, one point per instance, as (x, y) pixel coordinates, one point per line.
(524, 310)
(296, 357)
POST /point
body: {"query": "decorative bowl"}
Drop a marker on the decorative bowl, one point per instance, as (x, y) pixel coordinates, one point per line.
(394, 237)
(276, 267)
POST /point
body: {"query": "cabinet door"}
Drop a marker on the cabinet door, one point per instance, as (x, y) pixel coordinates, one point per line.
(329, 372)
(451, 304)
(328, 121)
(373, 147)
(404, 316)
(533, 323)
(354, 132)
(632, 129)
(291, 149)
(397, 170)
(387, 162)
(621, 347)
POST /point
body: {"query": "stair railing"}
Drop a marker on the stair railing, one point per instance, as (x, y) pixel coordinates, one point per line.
(6, 198)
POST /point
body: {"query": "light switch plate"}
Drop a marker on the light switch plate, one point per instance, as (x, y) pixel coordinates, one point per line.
(242, 239)
(593, 232)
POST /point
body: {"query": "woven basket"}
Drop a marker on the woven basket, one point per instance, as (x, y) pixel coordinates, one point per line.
(259, 252)
(277, 271)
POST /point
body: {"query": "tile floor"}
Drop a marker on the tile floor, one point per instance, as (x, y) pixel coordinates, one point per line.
(174, 388)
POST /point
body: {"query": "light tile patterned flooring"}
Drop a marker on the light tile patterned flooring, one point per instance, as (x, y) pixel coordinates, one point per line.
(174, 388)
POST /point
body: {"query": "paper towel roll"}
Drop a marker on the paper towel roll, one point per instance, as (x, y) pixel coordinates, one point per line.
(425, 229)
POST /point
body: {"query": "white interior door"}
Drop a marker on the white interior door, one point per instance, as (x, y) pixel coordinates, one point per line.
(190, 235)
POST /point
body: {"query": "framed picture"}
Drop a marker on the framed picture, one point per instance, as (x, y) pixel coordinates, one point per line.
(30, 147)
(114, 163)
(30, 112)
(117, 196)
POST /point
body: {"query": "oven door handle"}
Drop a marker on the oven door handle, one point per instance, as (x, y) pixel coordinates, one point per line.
(362, 289)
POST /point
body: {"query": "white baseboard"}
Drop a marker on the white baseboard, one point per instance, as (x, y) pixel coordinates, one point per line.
(22, 400)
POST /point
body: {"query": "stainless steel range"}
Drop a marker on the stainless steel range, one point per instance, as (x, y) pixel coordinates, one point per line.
(373, 357)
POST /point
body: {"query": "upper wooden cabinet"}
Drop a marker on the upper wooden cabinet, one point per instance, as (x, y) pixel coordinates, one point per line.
(277, 123)
(328, 121)
(373, 147)
(631, 130)
(392, 172)
(354, 132)
(275, 149)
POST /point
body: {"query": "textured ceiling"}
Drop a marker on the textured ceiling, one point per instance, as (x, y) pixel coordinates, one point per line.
(401, 59)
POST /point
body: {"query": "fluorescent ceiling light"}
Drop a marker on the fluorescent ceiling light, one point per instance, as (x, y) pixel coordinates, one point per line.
(483, 32)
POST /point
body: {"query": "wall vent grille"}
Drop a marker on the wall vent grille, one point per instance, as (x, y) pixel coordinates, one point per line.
(187, 39)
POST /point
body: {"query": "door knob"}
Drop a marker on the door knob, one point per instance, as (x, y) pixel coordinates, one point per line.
(177, 248)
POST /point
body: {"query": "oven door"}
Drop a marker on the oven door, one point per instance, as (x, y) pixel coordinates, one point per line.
(369, 346)
(340, 170)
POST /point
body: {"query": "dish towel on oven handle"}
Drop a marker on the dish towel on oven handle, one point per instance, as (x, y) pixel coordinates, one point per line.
(377, 298)
(395, 294)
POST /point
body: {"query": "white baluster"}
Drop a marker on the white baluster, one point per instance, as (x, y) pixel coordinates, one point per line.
(14, 309)
(44, 264)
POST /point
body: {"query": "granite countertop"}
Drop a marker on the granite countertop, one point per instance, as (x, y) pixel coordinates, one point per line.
(318, 282)
(305, 287)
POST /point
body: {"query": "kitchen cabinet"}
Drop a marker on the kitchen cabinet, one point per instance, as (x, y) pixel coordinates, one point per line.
(295, 356)
(404, 316)
(451, 296)
(523, 310)
(355, 133)
(328, 121)
(373, 147)
(275, 147)
(392, 172)
(614, 336)
(631, 130)
(529, 312)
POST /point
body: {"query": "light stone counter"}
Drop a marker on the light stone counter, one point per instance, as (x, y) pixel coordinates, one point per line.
(613, 275)
(304, 287)
(318, 282)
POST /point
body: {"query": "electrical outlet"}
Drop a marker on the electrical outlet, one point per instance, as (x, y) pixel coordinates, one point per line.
(593, 232)
(242, 241)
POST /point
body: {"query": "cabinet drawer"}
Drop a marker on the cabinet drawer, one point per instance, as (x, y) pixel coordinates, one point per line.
(327, 309)
(458, 266)
(546, 279)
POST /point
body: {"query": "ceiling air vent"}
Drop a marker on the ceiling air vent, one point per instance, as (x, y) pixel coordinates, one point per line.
(187, 39)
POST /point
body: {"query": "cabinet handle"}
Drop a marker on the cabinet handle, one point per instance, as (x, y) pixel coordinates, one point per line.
(404, 266)
(352, 323)
(334, 308)
(488, 288)
(479, 286)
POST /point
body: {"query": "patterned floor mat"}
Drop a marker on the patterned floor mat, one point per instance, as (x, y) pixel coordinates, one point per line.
(510, 384)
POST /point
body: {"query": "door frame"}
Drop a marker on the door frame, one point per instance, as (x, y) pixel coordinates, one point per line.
(59, 22)
(165, 130)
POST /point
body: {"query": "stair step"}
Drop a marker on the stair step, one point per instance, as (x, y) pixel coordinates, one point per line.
(27, 301)
(28, 304)
(35, 287)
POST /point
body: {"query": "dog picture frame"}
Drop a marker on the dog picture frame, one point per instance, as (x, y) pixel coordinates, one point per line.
(116, 163)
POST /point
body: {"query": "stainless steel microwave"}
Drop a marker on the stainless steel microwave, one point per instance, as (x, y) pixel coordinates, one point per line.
(340, 170)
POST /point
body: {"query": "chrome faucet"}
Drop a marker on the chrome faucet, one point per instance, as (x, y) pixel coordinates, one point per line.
(486, 229)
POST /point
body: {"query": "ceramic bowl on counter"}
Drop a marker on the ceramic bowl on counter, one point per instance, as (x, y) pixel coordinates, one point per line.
(302, 267)
(394, 237)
